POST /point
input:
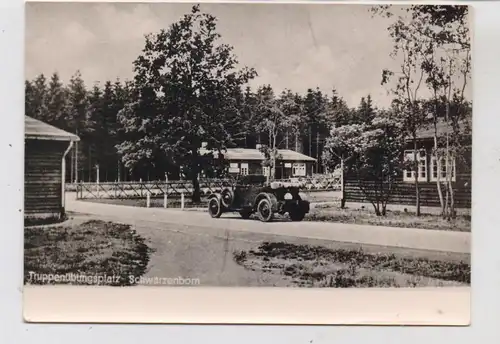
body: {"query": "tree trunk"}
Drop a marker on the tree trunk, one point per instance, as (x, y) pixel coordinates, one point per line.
(438, 176)
(446, 204)
(387, 195)
(416, 171)
(378, 196)
(450, 186)
(118, 170)
(196, 190)
(377, 200)
(448, 170)
(437, 157)
(342, 188)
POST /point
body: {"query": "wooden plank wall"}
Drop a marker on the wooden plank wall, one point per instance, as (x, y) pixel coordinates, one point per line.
(42, 177)
(404, 193)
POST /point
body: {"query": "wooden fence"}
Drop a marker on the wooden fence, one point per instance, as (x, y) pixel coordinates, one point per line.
(404, 193)
(124, 190)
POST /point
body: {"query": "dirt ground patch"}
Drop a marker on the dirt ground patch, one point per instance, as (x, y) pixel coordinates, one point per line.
(84, 247)
(317, 266)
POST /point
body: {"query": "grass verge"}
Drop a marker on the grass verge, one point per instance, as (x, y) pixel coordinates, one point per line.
(318, 266)
(91, 248)
(462, 223)
(333, 213)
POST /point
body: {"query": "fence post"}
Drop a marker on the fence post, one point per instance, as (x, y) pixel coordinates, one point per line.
(148, 200)
(182, 201)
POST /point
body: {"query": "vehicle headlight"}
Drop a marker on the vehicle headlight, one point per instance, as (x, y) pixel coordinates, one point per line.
(288, 196)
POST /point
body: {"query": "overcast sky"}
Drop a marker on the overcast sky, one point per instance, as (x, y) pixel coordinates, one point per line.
(290, 46)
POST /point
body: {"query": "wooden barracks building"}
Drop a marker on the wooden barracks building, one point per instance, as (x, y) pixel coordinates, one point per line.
(44, 168)
(244, 161)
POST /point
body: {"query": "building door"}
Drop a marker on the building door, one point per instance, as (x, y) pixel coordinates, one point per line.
(279, 172)
(287, 170)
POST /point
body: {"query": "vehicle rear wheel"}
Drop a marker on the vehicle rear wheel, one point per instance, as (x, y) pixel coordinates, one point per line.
(265, 210)
(214, 208)
(227, 196)
(245, 214)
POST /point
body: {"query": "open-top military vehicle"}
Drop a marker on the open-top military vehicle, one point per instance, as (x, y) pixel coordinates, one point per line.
(252, 194)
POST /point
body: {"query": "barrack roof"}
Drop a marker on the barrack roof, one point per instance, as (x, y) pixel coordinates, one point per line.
(38, 130)
(257, 155)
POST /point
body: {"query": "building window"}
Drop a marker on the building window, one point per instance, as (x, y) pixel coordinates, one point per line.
(265, 171)
(233, 167)
(244, 168)
(409, 173)
(299, 169)
(441, 167)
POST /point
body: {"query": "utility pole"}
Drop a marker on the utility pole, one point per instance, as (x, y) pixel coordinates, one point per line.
(317, 151)
(72, 169)
(310, 141)
(76, 161)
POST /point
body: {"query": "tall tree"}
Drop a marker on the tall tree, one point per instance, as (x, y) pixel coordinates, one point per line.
(77, 113)
(185, 80)
(249, 119)
(39, 98)
(275, 116)
(365, 111)
(29, 99)
(437, 42)
(407, 90)
(371, 153)
(409, 82)
(317, 119)
(340, 111)
(57, 102)
(122, 94)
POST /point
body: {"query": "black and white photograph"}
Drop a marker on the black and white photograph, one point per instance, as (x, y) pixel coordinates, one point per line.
(285, 145)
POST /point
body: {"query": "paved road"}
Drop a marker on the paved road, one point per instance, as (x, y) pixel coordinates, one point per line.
(419, 239)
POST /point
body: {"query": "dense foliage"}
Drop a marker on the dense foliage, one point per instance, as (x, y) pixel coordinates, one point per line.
(189, 90)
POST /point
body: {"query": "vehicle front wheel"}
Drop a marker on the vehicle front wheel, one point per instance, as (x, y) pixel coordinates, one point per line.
(214, 208)
(265, 210)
